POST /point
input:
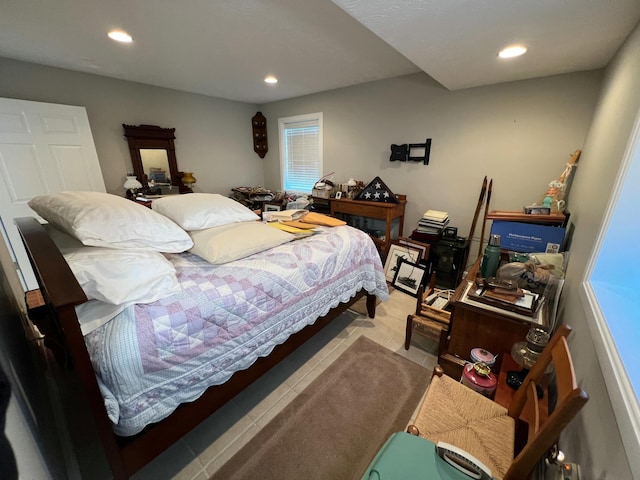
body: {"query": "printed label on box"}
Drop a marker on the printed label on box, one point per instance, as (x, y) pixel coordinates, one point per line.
(528, 237)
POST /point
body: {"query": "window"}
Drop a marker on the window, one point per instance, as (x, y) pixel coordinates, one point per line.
(609, 294)
(300, 152)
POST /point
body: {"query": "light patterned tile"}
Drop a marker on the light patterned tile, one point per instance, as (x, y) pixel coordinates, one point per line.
(216, 433)
(201, 476)
(177, 462)
(231, 448)
(254, 403)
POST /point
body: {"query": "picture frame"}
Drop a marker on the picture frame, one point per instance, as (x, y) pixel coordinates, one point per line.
(424, 248)
(408, 277)
(338, 195)
(395, 255)
(271, 207)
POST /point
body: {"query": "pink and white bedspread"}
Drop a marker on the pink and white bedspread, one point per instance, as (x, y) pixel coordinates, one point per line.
(151, 358)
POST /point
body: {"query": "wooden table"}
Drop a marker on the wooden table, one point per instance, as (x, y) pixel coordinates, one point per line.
(477, 325)
(391, 214)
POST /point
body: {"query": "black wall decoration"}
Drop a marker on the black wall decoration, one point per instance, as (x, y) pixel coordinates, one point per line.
(259, 128)
(399, 153)
(412, 152)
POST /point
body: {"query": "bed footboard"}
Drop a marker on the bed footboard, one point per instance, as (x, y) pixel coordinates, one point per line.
(62, 293)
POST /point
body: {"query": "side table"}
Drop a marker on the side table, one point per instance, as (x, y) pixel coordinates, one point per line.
(382, 221)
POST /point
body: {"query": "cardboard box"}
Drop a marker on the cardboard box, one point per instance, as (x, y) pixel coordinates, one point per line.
(529, 237)
(322, 192)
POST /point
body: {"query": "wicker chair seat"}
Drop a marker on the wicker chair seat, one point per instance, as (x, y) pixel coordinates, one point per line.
(453, 413)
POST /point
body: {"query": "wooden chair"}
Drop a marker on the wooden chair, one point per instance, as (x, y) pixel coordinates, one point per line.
(455, 414)
(430, 322)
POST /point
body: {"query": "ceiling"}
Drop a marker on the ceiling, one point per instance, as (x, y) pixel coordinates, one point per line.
(225, 49)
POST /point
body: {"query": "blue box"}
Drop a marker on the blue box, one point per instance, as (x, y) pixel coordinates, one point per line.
(529, 237)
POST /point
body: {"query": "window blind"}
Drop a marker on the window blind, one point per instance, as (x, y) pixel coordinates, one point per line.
(301, 152)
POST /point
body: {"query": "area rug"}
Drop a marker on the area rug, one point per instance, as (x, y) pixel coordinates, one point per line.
(333, 429)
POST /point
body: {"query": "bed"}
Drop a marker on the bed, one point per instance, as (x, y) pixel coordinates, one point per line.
(154, 369)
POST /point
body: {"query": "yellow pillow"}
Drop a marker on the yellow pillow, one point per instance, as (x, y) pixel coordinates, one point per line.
(238, 240)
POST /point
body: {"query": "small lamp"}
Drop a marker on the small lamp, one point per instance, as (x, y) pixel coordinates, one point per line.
(188, 180)
(525, 354)
(131, 185)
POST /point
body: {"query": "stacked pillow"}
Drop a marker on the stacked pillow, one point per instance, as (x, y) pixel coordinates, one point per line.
(103, 220)
(113, 245)
(222, 229)
(116, 276)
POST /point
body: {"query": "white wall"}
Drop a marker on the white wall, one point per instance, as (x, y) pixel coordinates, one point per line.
(594, 439)
(521, 134)
(213, 136)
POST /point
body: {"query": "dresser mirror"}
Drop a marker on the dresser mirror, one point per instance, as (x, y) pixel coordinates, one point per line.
(153, 158)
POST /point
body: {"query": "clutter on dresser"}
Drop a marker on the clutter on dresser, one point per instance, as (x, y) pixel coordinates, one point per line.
(377, 191)
(506, 296)
(325, 187)
(251, 196)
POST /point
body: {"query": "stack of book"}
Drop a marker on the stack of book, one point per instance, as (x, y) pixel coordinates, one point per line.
(433, 222)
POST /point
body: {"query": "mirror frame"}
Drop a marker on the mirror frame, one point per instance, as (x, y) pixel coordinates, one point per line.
(157, 138)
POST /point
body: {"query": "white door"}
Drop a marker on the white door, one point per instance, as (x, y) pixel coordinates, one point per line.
(44, 148)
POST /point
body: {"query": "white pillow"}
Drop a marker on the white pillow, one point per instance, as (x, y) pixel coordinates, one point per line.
(117, 276)
(232, 242)
(104, 220)
(197, 211)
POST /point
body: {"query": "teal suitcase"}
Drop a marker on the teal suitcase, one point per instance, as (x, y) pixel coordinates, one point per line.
(408, 457)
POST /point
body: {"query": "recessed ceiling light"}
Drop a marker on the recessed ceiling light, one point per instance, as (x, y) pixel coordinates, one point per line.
(271, 79)
(512, 51)
(120, 36)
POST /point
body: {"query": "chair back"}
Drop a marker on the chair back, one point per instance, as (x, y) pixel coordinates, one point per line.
(543, 433)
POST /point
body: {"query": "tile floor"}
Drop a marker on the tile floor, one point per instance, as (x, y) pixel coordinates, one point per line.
(201, 452)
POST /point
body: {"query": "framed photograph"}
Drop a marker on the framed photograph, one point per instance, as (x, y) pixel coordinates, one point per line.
(408, 277)
(422, 247)
(339, 194)
(271, 207)
(396, 254)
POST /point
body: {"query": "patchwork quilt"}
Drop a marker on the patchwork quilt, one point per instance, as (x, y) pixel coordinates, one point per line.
(151, 358)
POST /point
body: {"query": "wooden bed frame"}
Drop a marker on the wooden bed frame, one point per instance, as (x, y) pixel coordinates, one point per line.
(58, 323)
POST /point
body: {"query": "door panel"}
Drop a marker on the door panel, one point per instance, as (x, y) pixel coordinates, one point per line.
(44, 148)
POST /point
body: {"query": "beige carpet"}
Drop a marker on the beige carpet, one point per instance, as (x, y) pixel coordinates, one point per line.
(333, 429)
